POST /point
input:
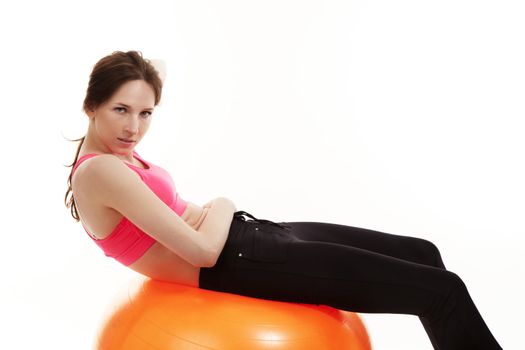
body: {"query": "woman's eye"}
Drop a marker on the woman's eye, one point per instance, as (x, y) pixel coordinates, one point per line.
(147, 114)
(118, 109)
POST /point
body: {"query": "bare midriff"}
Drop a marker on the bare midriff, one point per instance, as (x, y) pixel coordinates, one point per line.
(160, 263)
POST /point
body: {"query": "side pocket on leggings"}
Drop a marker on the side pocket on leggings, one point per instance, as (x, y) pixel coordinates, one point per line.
(267, 243)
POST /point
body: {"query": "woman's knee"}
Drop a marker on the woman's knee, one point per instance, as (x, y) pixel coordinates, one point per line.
(449, 291)
(429, 253)
(455, 281)
(454, 287)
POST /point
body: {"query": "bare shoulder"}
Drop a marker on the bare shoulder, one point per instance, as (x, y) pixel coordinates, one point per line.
(101, 163)
(104, 175)
(90, 173)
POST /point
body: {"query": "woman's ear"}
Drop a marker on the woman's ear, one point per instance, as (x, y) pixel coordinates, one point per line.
(90, 113)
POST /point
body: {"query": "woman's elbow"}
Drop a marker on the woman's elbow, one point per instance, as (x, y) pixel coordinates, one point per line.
(209, 263)
(206, 259)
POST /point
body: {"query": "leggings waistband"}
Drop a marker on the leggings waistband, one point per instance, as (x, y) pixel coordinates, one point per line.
(241, 216)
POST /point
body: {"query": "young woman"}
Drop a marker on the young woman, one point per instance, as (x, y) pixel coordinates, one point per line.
(131, 209)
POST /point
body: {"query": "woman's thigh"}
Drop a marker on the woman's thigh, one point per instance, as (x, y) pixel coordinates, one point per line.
(344, 277)
(409, 248)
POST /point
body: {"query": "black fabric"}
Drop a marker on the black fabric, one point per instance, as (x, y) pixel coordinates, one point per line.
(349, 268)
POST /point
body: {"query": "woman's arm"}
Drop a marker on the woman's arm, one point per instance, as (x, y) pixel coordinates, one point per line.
(216, 229)
(194, 214)
(116, 186)
(216, 224)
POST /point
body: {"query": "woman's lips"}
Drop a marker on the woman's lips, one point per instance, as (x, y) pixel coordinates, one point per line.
(126, 142)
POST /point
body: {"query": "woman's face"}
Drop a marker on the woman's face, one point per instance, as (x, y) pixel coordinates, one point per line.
(124, 117)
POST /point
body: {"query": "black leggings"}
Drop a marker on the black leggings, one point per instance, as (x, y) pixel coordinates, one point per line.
(349, 268)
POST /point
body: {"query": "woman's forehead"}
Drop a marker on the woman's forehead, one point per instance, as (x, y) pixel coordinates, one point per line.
(136, 94)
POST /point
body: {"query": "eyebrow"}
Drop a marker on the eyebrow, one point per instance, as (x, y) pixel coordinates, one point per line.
(125, 105)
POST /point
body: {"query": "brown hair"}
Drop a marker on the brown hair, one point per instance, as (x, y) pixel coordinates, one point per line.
(108, 75)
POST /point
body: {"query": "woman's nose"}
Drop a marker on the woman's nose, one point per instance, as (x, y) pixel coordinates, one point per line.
(132, 126)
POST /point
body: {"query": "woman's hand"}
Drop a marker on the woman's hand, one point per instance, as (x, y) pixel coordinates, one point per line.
(230, 202)
(210, 203)
(194, 215)
(201, 219)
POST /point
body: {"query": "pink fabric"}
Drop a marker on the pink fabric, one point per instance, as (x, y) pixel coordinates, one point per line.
(126, 243)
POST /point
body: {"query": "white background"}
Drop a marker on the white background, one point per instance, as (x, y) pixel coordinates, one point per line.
(399, 116)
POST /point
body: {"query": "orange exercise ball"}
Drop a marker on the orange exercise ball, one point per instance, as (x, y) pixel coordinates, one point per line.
(167, 316)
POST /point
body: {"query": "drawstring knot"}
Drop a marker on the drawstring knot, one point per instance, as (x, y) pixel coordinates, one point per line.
(239, 214)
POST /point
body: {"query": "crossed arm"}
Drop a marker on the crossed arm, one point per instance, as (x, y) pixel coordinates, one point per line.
(194, 215)
(197, 236)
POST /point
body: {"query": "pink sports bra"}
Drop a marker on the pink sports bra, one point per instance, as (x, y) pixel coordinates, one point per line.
(126, 243)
